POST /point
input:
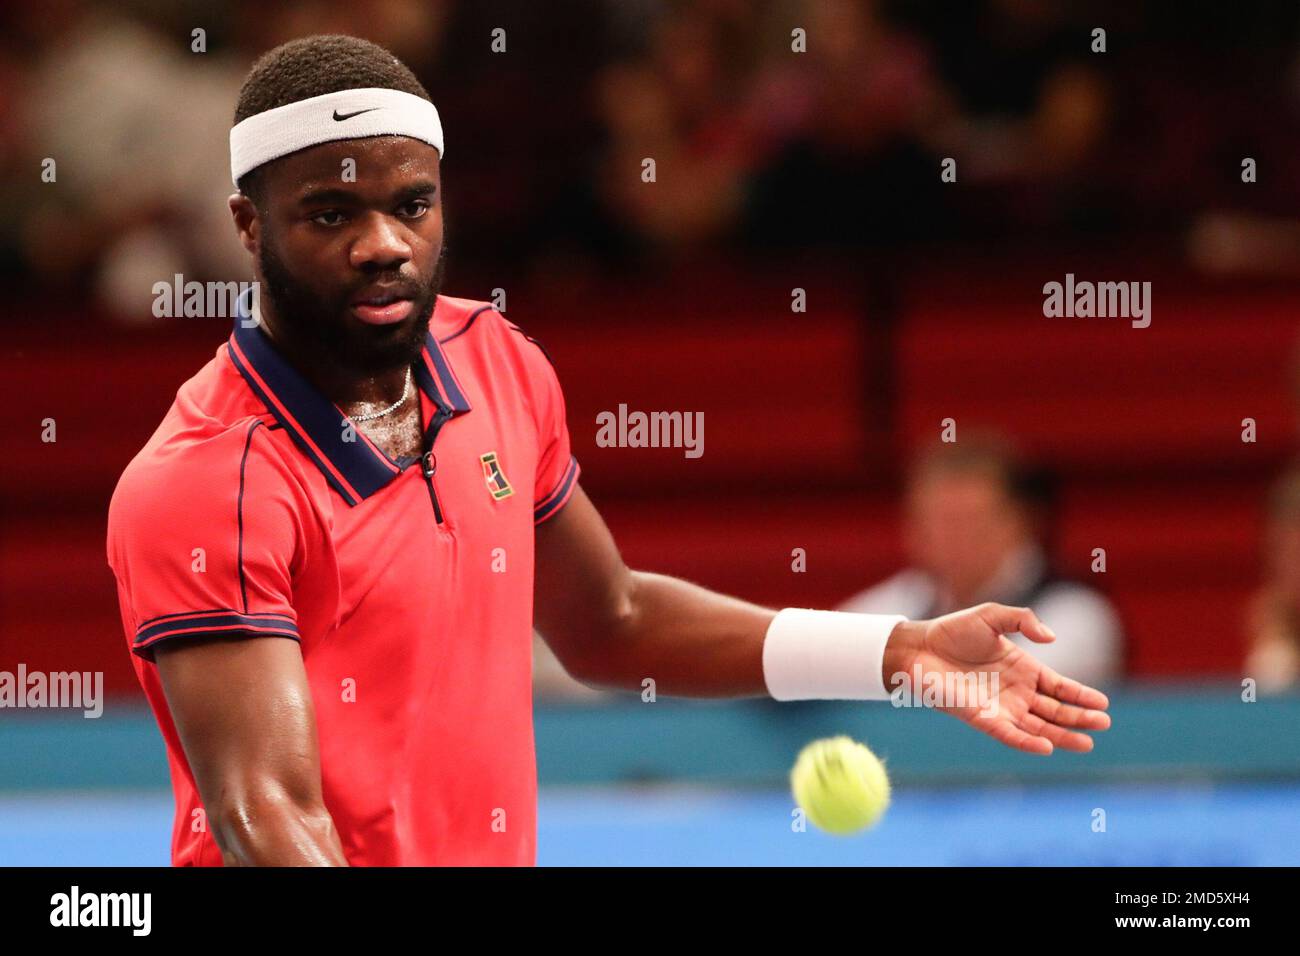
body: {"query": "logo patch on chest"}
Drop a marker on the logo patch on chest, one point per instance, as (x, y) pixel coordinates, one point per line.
(497, 483)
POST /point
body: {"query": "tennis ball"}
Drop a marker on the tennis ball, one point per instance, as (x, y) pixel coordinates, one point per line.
(840, 784)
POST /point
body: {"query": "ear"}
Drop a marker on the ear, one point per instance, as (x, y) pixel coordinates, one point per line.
(247, 224)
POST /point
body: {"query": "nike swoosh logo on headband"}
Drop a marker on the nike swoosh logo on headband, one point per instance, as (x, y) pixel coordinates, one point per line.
(342, 116)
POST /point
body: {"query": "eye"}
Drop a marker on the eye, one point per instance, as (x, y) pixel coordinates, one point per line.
(329, 217)
(415, 209)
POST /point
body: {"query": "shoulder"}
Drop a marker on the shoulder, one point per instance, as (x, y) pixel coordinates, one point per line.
(199, 471)
(202, 452)
(478, 321)
(507, 361)
(215, 429)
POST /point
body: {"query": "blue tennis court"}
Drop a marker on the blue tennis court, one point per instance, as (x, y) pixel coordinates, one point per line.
(1188, 776)
(1041, 825)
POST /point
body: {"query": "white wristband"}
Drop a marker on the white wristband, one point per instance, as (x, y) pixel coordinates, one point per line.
(827, 655)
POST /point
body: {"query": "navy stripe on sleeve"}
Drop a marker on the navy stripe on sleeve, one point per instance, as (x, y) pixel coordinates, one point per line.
(556, 499)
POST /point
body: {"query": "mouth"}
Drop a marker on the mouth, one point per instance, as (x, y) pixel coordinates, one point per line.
(375, 307)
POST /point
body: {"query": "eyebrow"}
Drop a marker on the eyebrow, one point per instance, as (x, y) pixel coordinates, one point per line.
(343, 197)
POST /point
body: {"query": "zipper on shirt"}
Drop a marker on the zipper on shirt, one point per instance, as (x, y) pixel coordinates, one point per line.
(429, 465)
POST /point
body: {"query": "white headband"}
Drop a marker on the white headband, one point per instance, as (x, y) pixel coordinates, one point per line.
(347, 114)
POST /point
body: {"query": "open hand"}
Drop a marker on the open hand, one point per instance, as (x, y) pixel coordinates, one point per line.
(1023, 703)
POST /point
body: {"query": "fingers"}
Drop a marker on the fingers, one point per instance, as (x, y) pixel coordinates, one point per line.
(1059, 736)
(1071, 691)
(1032, 734)
(1049, 722)
(1068, 715)
(1009, 620)
(1008, 733)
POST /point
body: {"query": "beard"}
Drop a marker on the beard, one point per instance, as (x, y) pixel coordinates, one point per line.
(322, 322)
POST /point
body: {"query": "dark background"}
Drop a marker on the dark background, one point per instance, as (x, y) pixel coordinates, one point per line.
(775, 171)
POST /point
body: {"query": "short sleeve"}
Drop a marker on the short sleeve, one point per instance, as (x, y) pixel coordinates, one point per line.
(557, 469)
(203, 541)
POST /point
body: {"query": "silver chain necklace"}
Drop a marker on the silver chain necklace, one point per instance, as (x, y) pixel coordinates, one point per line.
(406, 392)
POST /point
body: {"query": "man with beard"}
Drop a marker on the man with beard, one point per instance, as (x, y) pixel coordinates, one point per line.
(327, 554)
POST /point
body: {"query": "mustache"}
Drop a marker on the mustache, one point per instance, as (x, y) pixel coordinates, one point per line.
(402, 288)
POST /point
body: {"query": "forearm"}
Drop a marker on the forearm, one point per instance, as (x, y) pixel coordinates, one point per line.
(276, 831)
(692, 642)
(254, 754)
(614, 627)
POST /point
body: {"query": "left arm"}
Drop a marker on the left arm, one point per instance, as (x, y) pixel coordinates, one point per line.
(612, 626)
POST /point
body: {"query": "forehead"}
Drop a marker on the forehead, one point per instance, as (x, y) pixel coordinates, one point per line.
(380, 163)
(966, 484)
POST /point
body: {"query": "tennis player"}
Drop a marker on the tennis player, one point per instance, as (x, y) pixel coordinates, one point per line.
(331, 554)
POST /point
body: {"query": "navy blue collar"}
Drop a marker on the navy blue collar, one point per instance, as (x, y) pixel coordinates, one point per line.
(357, 468)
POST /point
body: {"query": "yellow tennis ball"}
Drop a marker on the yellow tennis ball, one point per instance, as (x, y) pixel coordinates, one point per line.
(840, 784)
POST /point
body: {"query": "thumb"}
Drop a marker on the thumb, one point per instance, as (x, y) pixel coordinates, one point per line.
(1009, 620)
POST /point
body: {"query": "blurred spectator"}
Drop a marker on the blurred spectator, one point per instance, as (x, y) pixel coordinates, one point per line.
(1274, 614)
(844, 131)
(758, 148)
(143, 160)
(974, 526)
(677, 102)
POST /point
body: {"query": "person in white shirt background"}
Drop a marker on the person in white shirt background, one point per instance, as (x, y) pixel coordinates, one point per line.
(974, 527)
(1273, 657)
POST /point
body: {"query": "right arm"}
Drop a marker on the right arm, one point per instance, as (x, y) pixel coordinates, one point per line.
(238, 694)
(244, 714)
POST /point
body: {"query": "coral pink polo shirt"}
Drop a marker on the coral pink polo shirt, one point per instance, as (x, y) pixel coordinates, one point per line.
(407, 583)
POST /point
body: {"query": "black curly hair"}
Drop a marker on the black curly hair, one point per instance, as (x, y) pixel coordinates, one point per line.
(313, 66)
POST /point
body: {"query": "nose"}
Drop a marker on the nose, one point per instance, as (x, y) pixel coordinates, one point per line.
(380, 246)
